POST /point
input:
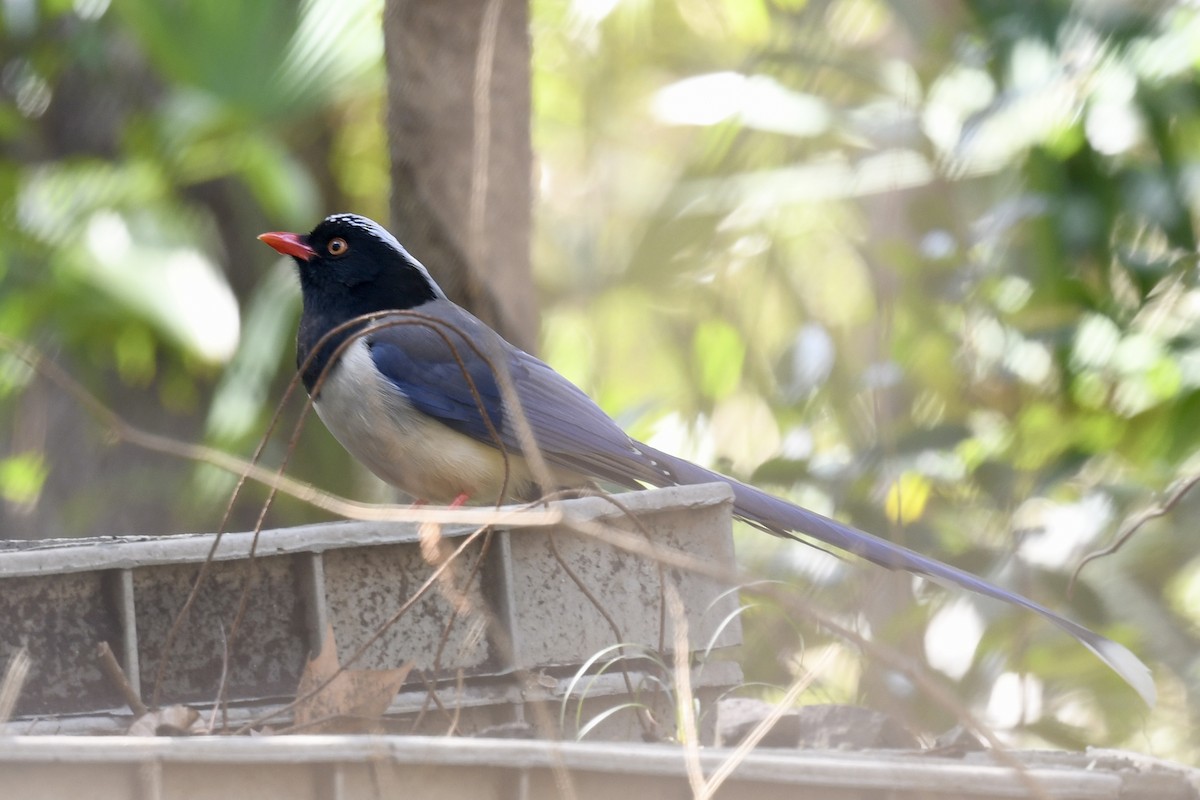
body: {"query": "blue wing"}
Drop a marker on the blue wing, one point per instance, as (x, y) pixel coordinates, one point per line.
(437, 384)
(435, 363)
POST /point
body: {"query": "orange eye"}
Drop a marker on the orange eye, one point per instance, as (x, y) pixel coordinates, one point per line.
(337, 247)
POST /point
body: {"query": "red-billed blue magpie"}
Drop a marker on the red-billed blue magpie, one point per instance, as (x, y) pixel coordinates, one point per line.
(416, 398)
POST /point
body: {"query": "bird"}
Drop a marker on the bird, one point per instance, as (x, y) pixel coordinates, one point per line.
(414, 387)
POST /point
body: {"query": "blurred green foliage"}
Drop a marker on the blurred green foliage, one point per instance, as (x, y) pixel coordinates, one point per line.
(928, 266)
(143, 146)
(950, 250)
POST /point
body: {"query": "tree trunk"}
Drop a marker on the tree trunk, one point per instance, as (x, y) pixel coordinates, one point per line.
(458, 119)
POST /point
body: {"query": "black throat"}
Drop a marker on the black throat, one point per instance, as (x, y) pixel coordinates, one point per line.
(330, 308)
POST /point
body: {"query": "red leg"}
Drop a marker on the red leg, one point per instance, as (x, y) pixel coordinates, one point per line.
(458, 501)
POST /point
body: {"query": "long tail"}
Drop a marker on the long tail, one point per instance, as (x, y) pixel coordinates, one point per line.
(787, 519)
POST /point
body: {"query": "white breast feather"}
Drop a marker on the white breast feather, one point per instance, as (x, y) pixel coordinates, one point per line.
(404, 447)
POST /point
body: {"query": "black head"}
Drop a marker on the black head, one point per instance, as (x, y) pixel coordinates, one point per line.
(350, 260)
(349, 266)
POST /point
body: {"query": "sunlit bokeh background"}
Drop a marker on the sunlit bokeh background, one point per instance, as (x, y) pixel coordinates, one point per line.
(928, 266)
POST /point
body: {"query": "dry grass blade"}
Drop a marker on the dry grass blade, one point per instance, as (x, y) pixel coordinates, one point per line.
(222, 684)
(481, 97)
(733, 577)
(14, 682)
(685, 698)
(722, 773)
(432, 544)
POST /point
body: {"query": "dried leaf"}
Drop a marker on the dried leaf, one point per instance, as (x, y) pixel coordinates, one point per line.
(353, 699)
(169, 721)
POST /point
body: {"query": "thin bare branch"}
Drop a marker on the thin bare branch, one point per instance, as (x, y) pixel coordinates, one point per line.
(685, 698)
(121, 430)
(116, 676)
(1134, 524)
(362, 648)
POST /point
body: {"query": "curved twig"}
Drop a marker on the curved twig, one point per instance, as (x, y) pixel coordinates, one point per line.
(1134, 524)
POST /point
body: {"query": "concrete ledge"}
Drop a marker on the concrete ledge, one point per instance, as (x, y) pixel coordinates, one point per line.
(22, 557)
(335, 767)
(522, 613)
